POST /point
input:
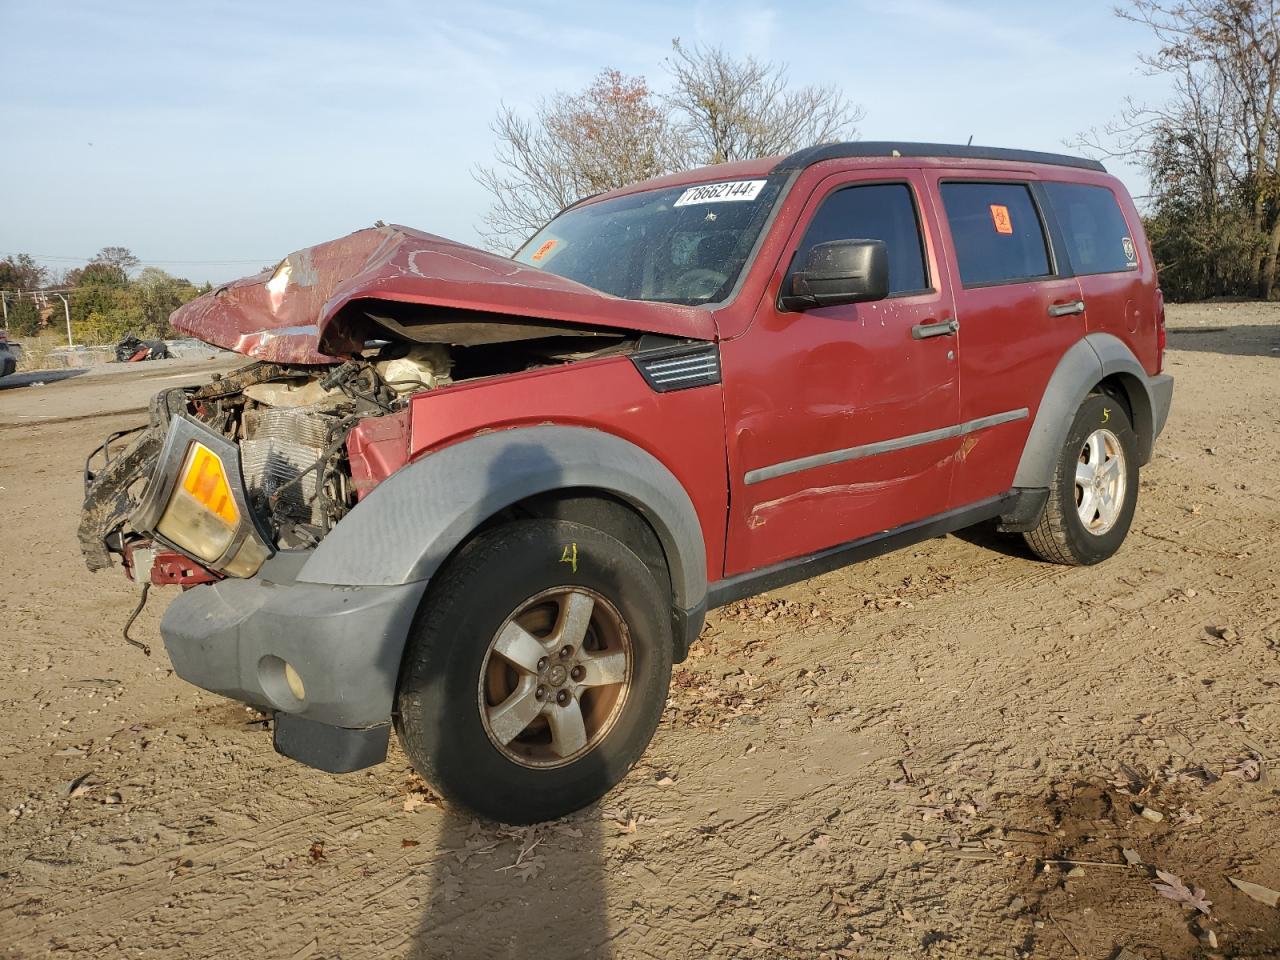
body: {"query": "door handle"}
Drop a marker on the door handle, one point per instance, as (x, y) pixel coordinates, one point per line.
(923, 331)
(1066, 309)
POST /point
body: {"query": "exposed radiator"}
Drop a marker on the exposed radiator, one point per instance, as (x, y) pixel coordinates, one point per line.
(282, 443)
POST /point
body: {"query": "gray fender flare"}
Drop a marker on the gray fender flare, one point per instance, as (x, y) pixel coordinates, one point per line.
(406, 527)
(1082, 367)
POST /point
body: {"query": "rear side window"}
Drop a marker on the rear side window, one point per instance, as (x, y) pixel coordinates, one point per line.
(997, 232)
(881, 211)
(1097, 236)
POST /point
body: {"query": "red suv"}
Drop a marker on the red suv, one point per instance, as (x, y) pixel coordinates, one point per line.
(490, 500)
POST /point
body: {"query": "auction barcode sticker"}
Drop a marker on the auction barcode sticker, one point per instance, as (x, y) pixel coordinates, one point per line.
(721, 192)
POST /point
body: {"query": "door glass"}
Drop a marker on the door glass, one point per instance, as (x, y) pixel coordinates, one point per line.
(881, 211)
(997, 232)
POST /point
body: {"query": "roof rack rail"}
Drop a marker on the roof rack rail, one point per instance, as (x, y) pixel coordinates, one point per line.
(889, 148)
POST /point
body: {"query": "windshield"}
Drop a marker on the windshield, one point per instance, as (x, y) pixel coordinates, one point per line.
(680, 245)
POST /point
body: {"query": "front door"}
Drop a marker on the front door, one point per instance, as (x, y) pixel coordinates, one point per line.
(841, 418)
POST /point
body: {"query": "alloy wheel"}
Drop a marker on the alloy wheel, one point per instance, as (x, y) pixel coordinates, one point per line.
(555, 677)
(1100, 481)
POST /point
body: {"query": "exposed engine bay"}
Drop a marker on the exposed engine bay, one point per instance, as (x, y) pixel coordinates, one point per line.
(291, 424)
(278, 436)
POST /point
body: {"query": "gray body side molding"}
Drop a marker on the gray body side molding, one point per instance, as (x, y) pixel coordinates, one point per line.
(1095, 357)
(406, 527)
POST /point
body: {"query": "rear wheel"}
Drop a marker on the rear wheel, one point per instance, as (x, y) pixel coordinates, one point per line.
(537, 671)
(1094, 490)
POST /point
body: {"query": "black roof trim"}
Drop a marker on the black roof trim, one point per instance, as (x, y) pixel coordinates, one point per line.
(888, 148)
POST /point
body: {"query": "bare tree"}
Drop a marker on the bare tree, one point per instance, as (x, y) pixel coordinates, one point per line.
(617, 131)
(121, 257)
(612, 133)
(731, 109)
(1212, 151)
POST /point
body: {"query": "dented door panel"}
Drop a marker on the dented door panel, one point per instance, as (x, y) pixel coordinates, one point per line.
(849, 385)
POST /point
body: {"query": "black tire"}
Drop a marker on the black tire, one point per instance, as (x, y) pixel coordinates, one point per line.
(1062, 535)
(439, 700)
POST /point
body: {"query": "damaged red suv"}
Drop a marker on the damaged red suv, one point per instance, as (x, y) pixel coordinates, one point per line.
(489, 501)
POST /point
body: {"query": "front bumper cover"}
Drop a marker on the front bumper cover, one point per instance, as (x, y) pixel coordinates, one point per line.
(345, 643)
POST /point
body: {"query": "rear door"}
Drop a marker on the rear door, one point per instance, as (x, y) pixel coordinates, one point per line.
(838, 417)
(1019, 311)
(1107, 260)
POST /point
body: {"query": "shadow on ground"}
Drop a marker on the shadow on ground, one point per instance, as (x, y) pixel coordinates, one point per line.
(39, 377)
(498, 892)
(988, 536)
(1252, 340)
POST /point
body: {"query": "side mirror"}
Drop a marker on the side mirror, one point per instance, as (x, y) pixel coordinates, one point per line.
(841, 271)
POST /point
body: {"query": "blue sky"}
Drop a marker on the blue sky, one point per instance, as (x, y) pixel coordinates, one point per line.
(239, 131)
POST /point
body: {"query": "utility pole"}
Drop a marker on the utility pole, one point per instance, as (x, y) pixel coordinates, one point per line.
(66, 307)
(4, 302)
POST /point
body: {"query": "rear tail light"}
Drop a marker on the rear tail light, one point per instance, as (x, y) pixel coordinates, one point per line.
(1160, 331)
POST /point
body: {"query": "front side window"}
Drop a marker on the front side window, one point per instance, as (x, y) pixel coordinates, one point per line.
(996, 232)
(1096, 234)
(678, 245)
(879, 211)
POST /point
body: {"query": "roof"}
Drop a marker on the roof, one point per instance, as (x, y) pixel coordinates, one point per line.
(733, 170)
(763, 166)
(889, 148)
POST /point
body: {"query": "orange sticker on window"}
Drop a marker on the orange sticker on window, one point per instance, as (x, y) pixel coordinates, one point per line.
(1000, 217)
(543, 250)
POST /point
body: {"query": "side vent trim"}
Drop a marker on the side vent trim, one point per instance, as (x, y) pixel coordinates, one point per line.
(680, 367)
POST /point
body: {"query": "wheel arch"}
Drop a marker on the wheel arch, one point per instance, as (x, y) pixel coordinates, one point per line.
(1097, 361)
(407, 527)
(602, 510)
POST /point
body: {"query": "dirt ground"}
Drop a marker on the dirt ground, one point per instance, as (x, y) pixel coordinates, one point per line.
(944, 752)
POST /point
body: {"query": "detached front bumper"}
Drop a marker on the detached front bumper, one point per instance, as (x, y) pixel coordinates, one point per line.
(343, 644)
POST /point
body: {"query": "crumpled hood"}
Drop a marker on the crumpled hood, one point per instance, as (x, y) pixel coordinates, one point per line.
(294, 313)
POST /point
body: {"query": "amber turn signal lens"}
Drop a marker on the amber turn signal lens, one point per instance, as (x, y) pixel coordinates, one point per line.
(206, 481)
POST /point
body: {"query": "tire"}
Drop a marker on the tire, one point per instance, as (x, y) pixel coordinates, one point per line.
(510, 584)
(1063, 535)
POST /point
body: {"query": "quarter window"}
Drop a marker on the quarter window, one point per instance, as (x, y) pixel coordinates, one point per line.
(881, 211)
(1097, 236)
(996, 231)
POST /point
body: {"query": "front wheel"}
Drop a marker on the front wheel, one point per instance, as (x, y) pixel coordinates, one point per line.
(1094, 490)
(537, 671)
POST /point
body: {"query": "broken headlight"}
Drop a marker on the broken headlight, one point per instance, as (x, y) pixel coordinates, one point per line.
(195, 502)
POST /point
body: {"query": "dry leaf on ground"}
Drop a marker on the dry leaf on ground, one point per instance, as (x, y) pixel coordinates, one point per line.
(1256, 891)
(1249, 770)
(1177, 891)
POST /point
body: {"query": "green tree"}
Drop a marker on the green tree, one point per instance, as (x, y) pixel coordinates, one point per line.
(159, 294)
(21, 272)
(102, 274)
(24, 316)
(19, 275)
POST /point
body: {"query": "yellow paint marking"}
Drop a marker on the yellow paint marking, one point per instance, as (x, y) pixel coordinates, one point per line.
(570, 556)
(1106, 414)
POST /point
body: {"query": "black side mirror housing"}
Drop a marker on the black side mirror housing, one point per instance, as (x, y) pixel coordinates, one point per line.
(840, 271)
